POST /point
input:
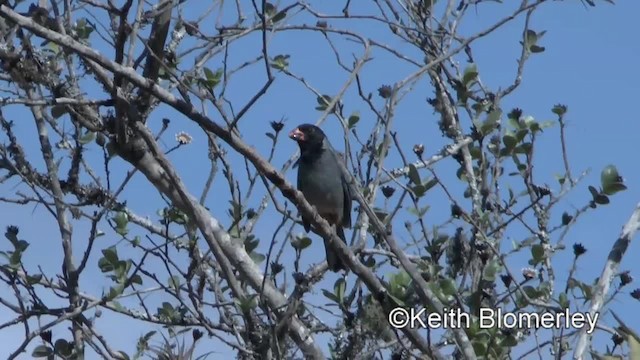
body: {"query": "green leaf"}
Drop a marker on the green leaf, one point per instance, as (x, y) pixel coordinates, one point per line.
(535, 49)
(531, 37)
(448, 287)
(491, 269)
(329, 295)
(279, 16)
(174, 282)
(301, 242)
(280, 62)
(339, 288)
(611, 180)
(509, 341)
(83, 29)
(115, 291)
(270, 9)
(111, 254)
(509, 141)
(34, 279)
(63, 348)
(601, 199)
(353, 119)
(419, 190)
(414, 176)
(88, 137)
(323, 101)
(122, 220)
(563, 301)
(251, 243)
(398, 301)
(470, 75)
(537, 253)
(246, 303)
(58, 110)
(257, 257)
(136, 279)
(212, 78)
(41, 351)
(559, 110)
(531, 292)
(491, 122)
(370, 262)
(418, 212)
(480, 347)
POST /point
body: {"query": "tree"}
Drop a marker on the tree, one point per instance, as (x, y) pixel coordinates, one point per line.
(95, 78)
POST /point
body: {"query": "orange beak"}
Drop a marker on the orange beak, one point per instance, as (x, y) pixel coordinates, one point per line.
(297, 135)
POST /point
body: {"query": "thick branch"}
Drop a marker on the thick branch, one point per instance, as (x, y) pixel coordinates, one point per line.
(608, 273)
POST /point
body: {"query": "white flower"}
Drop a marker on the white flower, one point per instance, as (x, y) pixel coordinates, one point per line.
(183, 138)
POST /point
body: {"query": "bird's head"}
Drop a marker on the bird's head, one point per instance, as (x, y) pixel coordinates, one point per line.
(308, 137)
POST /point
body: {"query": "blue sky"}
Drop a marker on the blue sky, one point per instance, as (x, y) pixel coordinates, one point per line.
(590, 65)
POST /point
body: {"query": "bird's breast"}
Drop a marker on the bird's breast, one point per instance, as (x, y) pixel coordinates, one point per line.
(322, 188)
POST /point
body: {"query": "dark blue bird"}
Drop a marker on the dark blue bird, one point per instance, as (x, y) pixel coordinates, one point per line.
(324, 185)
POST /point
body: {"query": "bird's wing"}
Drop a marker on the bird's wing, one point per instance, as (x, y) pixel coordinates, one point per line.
(346, 192)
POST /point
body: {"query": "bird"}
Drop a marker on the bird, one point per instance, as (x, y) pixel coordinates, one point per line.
(324, 184)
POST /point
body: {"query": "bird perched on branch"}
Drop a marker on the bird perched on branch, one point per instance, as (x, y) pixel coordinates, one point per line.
(324, 185)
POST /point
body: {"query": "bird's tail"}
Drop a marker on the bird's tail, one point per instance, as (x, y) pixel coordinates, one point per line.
(334, 262)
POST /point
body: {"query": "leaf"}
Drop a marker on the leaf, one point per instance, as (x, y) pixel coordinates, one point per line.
(339, 288)
(370, 262)
(42, 351)
(257, 257)
(491, 122)
(535, 49)
(419, 190)
(531, 37)
(353, 119)
(34, 279)
(563, 301)
(418, 212)
(509, 141)
(111, 254)
(270, 9)
(601, 199)
(448, 287)
(63, 348)
(509, 341)
(114, 292)
(323, 101)
(414, 176)
(280, 62)
(470, 75)
(122, 220)
(531, 292)
(279, 16)
(136, 279)
(57, 111)
(174, 282)
(490, 271)
(329, 295)
(88, 137)
(611, 180)
(246, 303)
(537, 253)
(301, 242)
(212, 78)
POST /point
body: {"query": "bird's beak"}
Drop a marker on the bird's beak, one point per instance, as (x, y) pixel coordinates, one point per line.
(297, 135)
